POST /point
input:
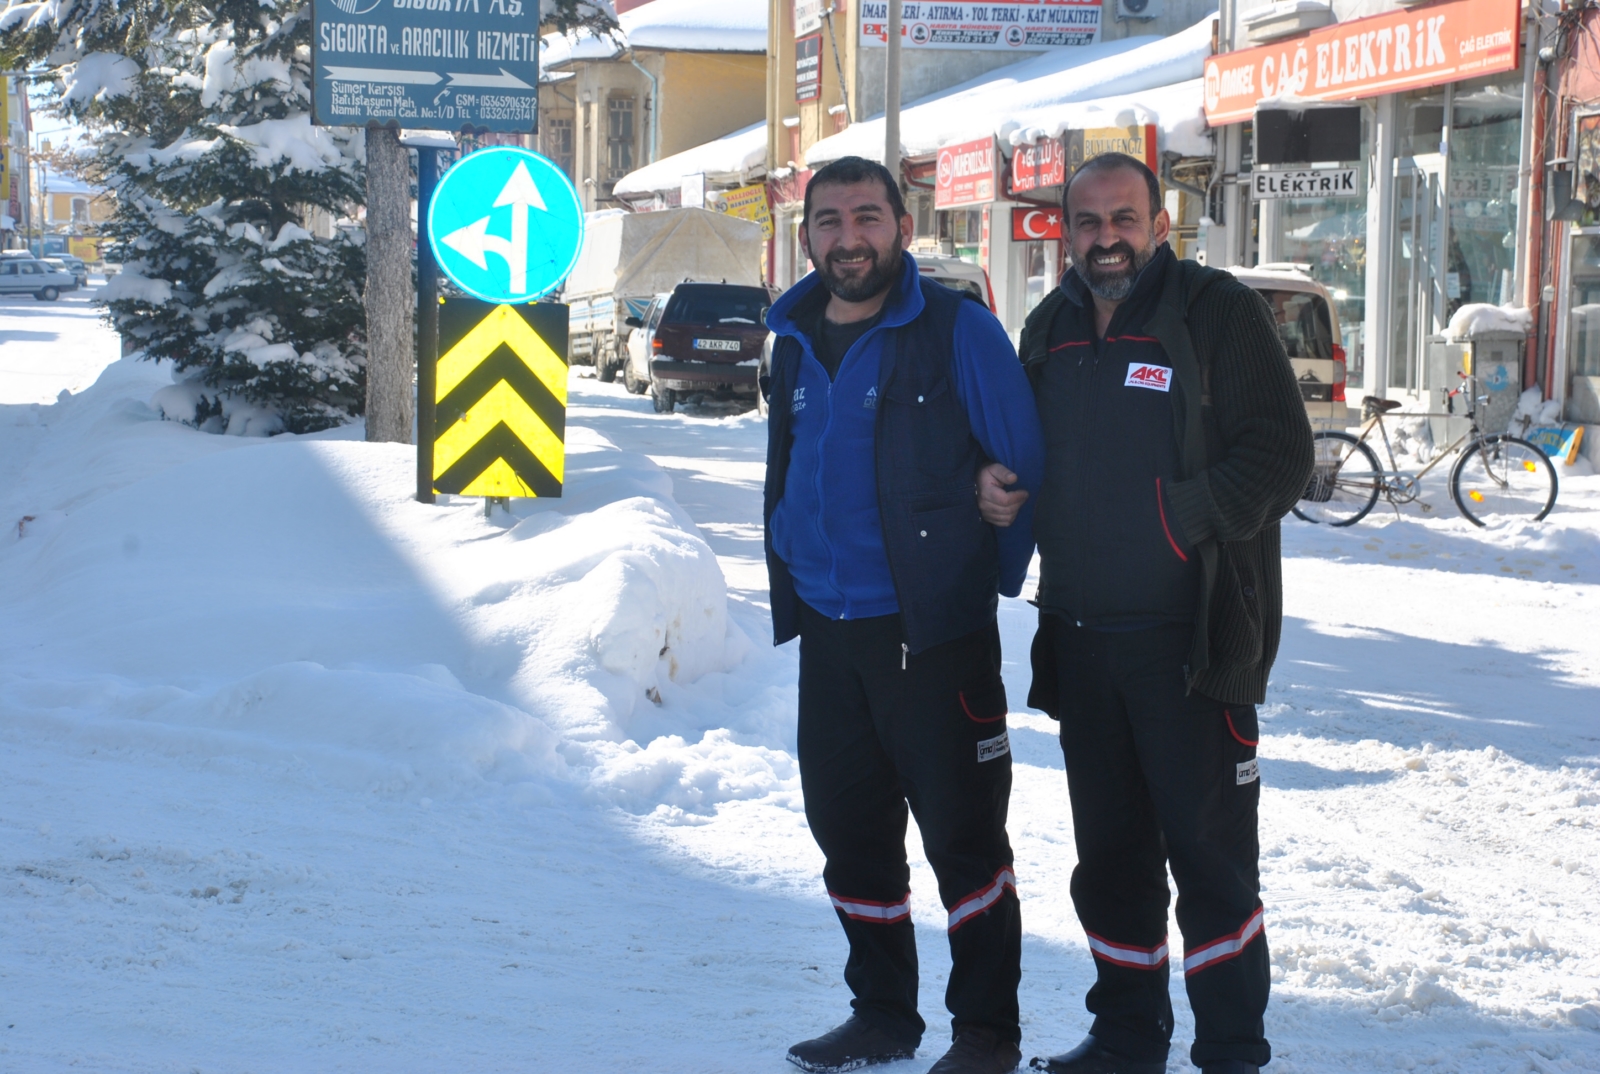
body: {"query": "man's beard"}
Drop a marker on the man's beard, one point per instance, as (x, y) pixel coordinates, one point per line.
(1116, 284)
(880, 274)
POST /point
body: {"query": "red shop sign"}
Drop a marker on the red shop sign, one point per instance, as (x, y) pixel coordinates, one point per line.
(1031, 225)
(1040, 164)
(965, 175)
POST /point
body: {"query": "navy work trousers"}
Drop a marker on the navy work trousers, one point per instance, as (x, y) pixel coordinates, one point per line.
(1161, 776)
(881, 729)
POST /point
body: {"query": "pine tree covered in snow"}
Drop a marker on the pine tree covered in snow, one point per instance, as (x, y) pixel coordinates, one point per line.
(201, 114)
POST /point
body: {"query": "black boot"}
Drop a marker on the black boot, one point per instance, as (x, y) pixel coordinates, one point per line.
(1230, 1066)
(850, 1046)
(978, 1051)
(1092, 1057)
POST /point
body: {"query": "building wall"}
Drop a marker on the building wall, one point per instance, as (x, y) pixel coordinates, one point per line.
(709, 94)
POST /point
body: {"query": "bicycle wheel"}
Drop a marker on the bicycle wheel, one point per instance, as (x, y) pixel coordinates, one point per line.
(1503, 477)
(1344, 481)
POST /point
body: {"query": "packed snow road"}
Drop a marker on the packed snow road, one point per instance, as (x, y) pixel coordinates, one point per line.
(296, 774)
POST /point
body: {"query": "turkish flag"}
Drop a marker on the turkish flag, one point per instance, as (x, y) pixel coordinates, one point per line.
(1031, 225)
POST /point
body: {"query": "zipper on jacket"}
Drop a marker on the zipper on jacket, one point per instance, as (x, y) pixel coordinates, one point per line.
(905, 651)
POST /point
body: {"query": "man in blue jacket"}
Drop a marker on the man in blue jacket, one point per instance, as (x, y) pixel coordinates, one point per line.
(891, 398)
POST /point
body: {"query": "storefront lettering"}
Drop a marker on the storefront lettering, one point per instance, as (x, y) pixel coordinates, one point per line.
(1366, 57)
(1315, 183)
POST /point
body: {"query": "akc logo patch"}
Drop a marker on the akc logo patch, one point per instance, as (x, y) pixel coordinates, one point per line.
(1140, 375)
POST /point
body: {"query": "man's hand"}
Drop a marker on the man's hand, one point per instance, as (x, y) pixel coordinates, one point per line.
(998, 506)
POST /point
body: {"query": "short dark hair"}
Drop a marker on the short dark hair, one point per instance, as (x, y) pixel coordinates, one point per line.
(1107, 162)
(847, 170)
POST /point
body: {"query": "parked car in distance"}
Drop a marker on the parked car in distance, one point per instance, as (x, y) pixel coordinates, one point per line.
(636, 366)
(58, 265)
(708, 341)
(1308, 325)
(29, 276)
(958, 274)
(76, 266)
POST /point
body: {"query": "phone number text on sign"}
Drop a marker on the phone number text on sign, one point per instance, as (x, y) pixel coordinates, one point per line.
(1024, 24)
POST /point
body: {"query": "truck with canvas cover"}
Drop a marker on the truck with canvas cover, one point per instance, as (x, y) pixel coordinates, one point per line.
(629, 258)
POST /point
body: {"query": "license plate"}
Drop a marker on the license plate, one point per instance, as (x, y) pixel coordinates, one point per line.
(717, 344)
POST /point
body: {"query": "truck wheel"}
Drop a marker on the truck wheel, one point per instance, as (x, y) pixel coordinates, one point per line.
(665, 399)
(605, 368)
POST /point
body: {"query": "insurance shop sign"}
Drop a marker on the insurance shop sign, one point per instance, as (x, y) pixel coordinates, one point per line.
(1014, 26)
(432, 64)
(964, 174)
(1389, 53)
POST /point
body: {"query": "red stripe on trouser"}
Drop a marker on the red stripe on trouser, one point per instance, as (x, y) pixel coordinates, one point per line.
(1121, 954)
(983, 898)
(883, 913)
(1221, 950)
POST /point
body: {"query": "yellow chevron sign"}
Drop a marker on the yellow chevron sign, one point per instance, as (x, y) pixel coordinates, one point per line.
(501, 399)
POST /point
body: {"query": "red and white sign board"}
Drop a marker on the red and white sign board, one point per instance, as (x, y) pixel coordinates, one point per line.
(1011, 26)
(1401, 50)
(1032, 225)
(965, 174)
(1040, 164)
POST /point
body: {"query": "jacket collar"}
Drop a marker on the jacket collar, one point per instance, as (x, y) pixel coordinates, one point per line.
(903, 305)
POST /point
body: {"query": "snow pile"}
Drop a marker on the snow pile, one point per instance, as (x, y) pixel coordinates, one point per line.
(673, 25)
(1475, 318)
(1109, 80)
(291, 599)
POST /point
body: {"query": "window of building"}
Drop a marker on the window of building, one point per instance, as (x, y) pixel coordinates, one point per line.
(80, 210)
(557, 143)
(619, 137)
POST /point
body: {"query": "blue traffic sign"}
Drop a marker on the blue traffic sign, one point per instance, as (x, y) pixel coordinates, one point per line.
(505, 225)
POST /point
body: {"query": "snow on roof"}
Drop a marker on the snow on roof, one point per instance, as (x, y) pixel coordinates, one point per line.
(733, 155)
(683, 25)
(1113, 77)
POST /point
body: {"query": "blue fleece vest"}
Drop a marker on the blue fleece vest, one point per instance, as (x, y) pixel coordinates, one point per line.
(869, 498)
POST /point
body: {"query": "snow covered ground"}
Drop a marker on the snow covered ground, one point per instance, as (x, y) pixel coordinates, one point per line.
(297, 774)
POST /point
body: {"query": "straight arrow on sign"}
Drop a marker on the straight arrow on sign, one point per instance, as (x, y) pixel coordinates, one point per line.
(383, 74)
(474, 242)
(504, 80)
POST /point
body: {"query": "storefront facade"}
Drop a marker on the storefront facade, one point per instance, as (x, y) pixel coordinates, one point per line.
(1387, 155)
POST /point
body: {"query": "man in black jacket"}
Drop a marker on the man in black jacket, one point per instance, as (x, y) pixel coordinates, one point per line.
(1175, 439)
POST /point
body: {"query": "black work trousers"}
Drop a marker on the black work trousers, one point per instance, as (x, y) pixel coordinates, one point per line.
(1160, 776)
(881, 729)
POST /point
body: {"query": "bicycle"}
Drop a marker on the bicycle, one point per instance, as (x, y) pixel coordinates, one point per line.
(1497, 476)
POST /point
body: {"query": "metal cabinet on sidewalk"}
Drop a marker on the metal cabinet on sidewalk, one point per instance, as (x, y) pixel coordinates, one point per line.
(1496, 359)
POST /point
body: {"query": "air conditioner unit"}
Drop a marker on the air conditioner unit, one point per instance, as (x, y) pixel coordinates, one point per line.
(1140, 9)
(1284, 19)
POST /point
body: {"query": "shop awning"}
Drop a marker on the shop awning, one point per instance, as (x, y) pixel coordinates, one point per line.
(730, 160)
(1031, 94)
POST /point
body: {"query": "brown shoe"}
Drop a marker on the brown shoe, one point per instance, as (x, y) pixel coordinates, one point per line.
(978, 1051)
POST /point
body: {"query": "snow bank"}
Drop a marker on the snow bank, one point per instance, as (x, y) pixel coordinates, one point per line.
(1110, 78)
(1478, 317)
(292, 599)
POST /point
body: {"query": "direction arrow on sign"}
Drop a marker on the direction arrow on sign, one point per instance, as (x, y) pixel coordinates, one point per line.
(502, 399)
(474, 241)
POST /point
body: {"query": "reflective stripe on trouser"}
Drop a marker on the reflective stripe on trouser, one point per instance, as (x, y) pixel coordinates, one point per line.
(1161, 777)
(874, 740)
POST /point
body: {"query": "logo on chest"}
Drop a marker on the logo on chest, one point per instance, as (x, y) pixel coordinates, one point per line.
(798, 404)
(871, 401)
(1141, 375)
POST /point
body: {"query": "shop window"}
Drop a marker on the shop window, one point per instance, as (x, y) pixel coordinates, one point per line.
(961, 233)
(619, 137)
(1583, 339)
(1485, 137)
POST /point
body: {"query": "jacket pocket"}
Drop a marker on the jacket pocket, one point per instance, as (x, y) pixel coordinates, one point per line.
(1235, 626)
(1167, 523)
(921, 418)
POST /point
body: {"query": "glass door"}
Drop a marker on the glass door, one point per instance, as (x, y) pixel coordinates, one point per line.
(1417, 295)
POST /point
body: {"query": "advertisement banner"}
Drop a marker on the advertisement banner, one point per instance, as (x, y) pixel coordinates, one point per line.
(1033, 225)
(1136, 141)
(808, 68)
(965, 174)
(1402, 50)
(1011, 26)
(807, 17)
(750, 203)
(1040, 164)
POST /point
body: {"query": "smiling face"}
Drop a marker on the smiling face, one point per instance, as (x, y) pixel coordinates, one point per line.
(1113, 233)
(854, 240)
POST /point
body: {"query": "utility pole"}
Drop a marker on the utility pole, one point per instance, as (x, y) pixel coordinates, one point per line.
(891, 95)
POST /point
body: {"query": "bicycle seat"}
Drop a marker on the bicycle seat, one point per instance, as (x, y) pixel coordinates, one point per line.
(1372, 404)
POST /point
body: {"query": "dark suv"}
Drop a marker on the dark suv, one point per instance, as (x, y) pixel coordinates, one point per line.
(708, 342)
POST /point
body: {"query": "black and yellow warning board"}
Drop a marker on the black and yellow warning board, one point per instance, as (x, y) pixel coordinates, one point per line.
(501, 391)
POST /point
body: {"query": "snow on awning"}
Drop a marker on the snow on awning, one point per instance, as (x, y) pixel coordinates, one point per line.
(1177, 111)
(1033, 93)
(731, 158)
(674, 25)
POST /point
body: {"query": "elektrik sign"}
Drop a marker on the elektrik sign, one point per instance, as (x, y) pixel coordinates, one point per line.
(431, 64)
